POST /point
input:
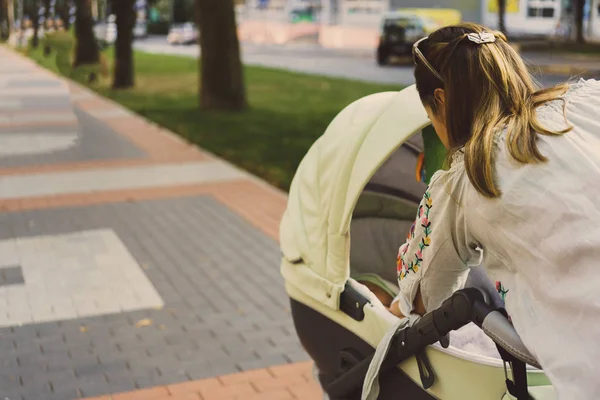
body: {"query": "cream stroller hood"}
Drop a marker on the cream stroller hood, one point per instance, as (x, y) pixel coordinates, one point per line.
(314, 231)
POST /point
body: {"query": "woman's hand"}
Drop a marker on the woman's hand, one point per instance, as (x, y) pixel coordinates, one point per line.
(395, 309)
(418, 306)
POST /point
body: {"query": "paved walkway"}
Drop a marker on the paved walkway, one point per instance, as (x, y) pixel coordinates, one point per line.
(132, 264)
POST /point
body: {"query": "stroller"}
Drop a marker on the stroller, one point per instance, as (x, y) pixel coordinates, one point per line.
(361, 180)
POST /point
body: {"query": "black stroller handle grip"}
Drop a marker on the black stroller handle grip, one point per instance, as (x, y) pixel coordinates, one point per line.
(463, 307)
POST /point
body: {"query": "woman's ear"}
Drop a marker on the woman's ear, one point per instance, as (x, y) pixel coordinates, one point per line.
(440, 96)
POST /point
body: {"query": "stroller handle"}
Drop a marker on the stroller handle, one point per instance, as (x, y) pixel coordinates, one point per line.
(463, 307)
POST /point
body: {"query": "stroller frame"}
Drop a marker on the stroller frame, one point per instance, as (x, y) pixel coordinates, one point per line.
(339, 321)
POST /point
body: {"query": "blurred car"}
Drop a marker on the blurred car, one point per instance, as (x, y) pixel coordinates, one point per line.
(399, 31)
(185, 33)
(140, 30)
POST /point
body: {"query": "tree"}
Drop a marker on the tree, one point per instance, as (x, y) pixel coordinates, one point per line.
(11, 15)
(86, 47)
(4, 29)
(502, 16)
(182, 11)
(47, 24)
(63, 9)
(579, 7)
(47, 14)
(222, 76)
(32, 9)
(123, 70)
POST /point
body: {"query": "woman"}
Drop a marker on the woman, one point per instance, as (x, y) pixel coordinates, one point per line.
(522, 190)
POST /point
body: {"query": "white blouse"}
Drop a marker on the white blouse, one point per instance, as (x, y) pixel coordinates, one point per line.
(540, 242)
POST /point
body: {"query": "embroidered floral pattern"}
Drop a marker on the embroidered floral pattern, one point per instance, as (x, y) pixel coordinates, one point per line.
(502, 291)
(406, 267)
(411, 233)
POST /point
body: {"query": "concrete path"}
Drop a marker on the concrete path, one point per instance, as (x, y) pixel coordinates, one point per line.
(132, 264)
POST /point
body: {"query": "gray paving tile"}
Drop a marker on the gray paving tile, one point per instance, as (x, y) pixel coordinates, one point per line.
(36, 392)
(9, 379)
(11, 275)
(120, 385)
(48, 329)
(45, 103)
(221, 322)
(94, 370)
(58, 361)
(90, 386)
(297, 356)
(33, 83)
(6, 394)
(63, 394)
(94, 142)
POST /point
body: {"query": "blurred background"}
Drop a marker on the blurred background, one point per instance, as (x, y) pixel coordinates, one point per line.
(325, 53)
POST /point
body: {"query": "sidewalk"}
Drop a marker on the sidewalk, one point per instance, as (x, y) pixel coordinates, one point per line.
(132, 265)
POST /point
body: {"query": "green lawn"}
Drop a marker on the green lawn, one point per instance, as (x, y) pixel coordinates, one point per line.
(288, 111)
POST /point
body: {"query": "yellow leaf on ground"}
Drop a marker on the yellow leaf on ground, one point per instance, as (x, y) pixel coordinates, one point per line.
(143, 322)
(83, 329)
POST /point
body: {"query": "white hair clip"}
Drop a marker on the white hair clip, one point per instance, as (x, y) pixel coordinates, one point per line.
(481, 38)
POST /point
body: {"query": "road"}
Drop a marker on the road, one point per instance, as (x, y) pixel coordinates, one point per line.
(301, 58)
(309, 58)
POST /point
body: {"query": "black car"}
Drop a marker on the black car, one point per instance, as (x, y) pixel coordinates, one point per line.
(399, 32)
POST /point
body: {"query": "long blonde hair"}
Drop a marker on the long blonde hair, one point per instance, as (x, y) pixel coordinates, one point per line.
(487, 88)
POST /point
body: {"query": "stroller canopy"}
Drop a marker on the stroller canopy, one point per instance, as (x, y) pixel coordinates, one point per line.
(314, 231)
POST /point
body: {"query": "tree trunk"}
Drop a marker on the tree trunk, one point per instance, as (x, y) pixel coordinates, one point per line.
(64, 12)
(46, 14)
(579, 12)
(10, 9)
(502, 16)
(222, 75)
(47, 49)
(34, 14)
(123, 70)
(3, 19)
(86, 46)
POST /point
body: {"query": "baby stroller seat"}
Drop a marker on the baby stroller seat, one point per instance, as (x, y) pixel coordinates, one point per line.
(337, 194)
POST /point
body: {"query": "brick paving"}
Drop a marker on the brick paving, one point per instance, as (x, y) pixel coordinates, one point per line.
(132, 264)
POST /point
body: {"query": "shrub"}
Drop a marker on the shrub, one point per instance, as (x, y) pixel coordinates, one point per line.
(61, 44)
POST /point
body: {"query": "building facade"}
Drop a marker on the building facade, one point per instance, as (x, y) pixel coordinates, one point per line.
(552, 18)
(355, 23)
(525, 17)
